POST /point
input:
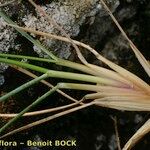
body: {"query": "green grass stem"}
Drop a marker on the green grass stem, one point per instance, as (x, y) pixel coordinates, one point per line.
(59, 61)
(27, 57)
(90, 69)
(35, 103)
(22, 87)
(62, 74)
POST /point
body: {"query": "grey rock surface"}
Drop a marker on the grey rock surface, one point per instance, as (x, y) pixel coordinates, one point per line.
(70, 15)
(7, 37)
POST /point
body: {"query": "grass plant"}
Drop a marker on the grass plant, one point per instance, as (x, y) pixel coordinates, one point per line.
(115, 88)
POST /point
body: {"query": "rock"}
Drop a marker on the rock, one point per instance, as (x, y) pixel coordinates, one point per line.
(70, 15)
(7, 37)
(7, 42)
(103, 26)
(2, 80)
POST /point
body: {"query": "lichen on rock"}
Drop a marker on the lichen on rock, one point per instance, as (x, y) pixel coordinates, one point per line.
(7, 37)
(70, 15)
